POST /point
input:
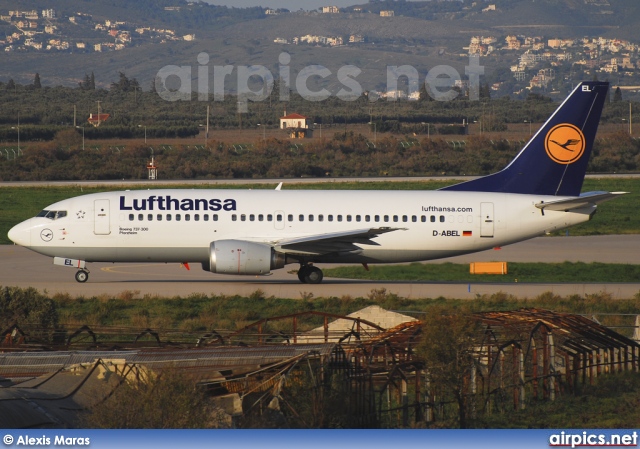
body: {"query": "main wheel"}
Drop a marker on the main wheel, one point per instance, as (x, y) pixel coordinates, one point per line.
(313, 275)
(302, 273)
(82, 276)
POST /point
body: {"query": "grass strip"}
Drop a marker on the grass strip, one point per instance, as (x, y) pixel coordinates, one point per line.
(517, 272)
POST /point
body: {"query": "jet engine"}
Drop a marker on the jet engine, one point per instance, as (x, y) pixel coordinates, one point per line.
(242, 257)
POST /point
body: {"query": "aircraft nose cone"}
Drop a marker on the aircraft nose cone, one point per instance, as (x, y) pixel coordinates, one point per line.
(21, 234)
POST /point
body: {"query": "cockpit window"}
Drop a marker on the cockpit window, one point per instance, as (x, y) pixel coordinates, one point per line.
(52, 214)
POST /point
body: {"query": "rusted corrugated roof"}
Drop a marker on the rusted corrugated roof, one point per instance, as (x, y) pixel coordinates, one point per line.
(32, 364)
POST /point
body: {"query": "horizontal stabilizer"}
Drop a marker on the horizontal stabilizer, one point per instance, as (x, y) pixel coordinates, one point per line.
(584, 200)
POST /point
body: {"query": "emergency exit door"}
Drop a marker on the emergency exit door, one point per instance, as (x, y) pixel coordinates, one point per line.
(486, 220)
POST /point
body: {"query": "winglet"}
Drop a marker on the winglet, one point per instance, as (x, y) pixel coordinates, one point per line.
(554, 161)
(279, 187)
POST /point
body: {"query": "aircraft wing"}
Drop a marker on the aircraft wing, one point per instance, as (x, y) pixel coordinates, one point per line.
(331, 242)
(584, 200)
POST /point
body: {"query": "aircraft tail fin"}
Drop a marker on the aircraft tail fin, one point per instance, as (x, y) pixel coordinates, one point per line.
(554, 161)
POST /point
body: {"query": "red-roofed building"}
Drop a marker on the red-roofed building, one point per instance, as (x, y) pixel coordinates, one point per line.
(297, 125)
(96, 119)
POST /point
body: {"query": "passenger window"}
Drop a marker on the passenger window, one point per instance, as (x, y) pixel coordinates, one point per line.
(131, 216)
(348, 217)
(330, 217)
(433, 219)
(205, 217)
(386, 218)
(196, 217)
(300, 217)
(423, 218)
(140, 217)
(377, 218)
(310, 217)
(404, 219)
(367, 218)
(159, 217)
(187, 217)
(279, 217)
(320, 217)
(269, 217)
(178, 217)
(168, 217)
(339, 217)
(290, 218)
(414, 219)
(260, 217)
(243, 217)
(234, 217)
(150, 217)
(358, 218)
(441, 218)
(215, 217)
(252, 217)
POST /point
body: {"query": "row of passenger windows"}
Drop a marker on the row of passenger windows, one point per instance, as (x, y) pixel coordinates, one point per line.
(300, 217)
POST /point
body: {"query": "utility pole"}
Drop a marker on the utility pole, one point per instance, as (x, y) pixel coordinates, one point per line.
(206, 133)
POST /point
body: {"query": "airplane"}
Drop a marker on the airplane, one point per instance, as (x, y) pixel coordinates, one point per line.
(252, 232)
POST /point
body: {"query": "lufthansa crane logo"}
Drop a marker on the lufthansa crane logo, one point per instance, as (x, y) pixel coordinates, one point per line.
(565, 143)
(46, 235)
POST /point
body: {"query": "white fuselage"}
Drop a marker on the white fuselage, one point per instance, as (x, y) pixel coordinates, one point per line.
(176, 225)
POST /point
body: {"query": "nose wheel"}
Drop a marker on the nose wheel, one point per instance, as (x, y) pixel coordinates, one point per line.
(82, 275)
(308, 274)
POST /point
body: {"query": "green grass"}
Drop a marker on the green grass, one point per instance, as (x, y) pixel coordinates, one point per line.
(517, 272)
(612, 403)
(620, 216)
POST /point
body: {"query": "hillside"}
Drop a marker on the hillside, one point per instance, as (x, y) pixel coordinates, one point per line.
(422, 35)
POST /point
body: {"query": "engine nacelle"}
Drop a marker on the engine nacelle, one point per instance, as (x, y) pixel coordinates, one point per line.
(242, 257)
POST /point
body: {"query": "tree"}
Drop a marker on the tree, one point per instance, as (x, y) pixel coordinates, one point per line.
(169, 400)
(33, 312)
(125, 84)
(485, 91)
(36, 81)
(88, 83)
(447, 347)
(11, 84)
(617, 96)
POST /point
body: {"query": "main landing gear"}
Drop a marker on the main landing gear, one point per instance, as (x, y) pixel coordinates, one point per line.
(308, 274)
(82, 275)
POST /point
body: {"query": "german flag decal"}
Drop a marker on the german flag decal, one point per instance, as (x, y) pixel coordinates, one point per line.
(467, 233)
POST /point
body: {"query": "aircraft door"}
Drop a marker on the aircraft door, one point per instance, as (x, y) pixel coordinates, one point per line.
(278, 219)
(101, 217)
(486, 220)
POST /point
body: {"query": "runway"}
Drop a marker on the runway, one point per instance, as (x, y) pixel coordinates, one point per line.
(23, 268)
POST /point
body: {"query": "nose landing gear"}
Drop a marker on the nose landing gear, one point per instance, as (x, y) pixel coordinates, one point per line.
(82, 275)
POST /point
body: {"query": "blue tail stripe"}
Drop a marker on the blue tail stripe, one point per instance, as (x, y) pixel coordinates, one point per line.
(534, 170)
